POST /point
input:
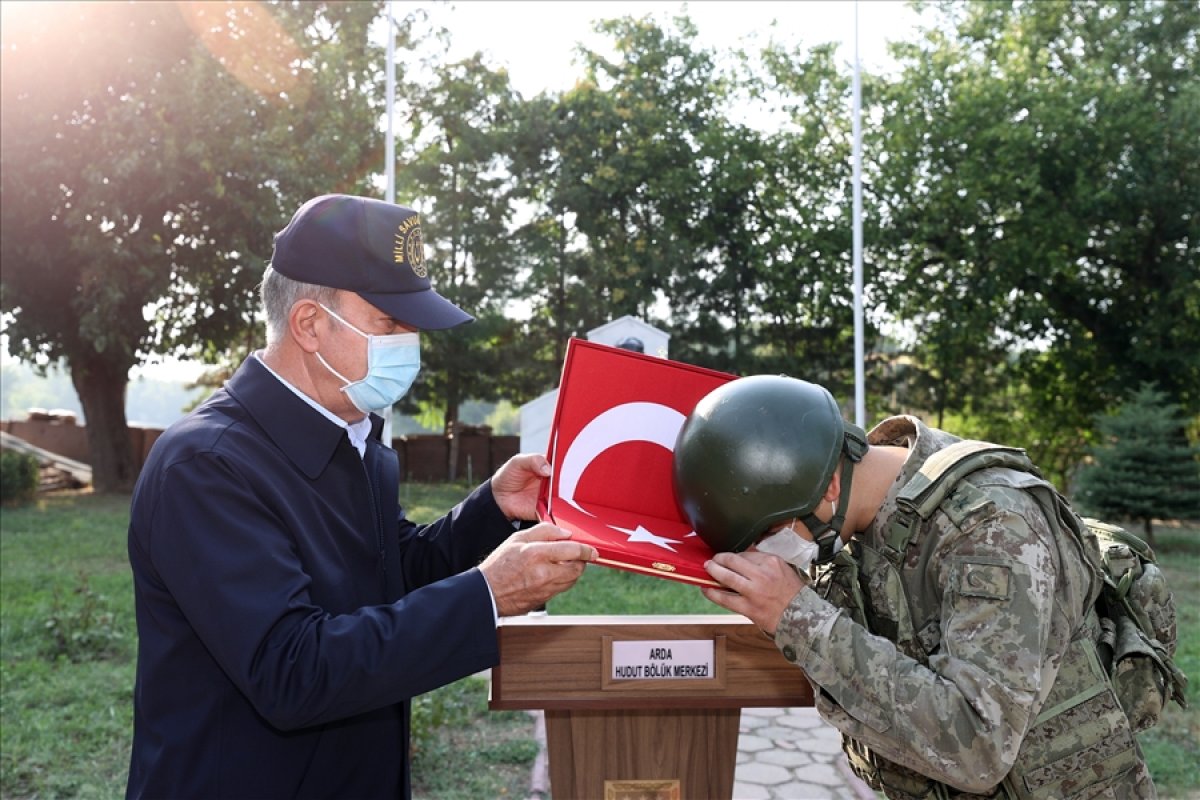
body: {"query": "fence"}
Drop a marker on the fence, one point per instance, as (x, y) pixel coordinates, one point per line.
(423, 458)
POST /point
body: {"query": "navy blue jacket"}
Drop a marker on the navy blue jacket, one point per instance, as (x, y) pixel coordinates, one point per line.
(286, 609)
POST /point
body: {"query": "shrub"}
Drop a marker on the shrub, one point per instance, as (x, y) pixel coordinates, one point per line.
(18, 477)
(1144, 467)
(448, 705)
(81, 630)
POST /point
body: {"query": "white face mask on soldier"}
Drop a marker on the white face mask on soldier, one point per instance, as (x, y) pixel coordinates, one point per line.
(791, 547)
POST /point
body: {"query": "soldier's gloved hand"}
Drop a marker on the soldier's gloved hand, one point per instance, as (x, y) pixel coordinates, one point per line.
(757, 585)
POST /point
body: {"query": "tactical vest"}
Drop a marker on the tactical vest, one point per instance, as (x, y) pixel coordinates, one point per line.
(1082, 739)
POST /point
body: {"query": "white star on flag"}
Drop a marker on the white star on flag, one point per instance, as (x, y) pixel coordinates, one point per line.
(641, 535)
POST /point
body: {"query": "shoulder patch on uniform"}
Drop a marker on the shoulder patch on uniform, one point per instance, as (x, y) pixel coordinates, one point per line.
(991, 581)
(964, 502)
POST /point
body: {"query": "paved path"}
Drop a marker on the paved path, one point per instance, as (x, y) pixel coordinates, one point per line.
(792, 754)
(783, 754)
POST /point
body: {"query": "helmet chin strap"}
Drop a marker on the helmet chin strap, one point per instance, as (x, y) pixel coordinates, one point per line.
(828, 535)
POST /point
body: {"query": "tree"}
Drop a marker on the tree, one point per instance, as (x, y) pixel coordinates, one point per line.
(469, 141)
(1037, 175)
(457, 172)
(639, 117)
(608, 172)
(551, 257)
(652, 196)
(773, 290)
(1143, 467)
(149, 153)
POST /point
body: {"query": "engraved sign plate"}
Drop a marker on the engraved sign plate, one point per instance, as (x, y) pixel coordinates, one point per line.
(642, 790)
(665, 660)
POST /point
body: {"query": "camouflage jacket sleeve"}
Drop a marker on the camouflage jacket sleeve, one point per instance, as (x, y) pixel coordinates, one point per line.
(960, 719)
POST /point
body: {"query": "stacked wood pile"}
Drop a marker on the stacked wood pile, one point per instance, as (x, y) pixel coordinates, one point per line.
(55, 472)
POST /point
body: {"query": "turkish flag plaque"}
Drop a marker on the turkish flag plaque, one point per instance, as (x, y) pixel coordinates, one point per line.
(614, 431)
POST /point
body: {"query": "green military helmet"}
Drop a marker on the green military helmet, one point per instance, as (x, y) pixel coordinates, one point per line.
(755, 452)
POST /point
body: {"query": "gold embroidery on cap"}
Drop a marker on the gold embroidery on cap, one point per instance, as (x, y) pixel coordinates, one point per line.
(410, 247)
(662, 565)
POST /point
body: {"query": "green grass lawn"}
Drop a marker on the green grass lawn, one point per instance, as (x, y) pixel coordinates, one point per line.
(67, 643)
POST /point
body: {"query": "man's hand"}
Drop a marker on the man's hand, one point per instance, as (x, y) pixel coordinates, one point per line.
(516, 484)
(533, 565)
(758, 586)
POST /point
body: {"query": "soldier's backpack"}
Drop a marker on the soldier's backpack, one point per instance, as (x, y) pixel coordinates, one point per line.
(1135, 606)
(1138, 619)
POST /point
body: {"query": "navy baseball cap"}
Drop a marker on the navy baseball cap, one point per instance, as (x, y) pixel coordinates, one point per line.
(369, 247)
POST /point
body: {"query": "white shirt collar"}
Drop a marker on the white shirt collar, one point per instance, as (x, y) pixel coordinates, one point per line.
(356, 431)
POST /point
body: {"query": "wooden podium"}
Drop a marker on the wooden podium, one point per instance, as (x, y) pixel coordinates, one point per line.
(641, 708)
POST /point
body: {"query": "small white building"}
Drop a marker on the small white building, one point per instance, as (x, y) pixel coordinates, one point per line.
(628, 332)
(620, 331)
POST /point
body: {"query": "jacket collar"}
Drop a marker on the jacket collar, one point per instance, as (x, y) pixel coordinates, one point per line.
(307, 438)
(921, 441)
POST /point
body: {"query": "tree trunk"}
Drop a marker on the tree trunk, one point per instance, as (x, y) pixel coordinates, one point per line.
(1148, 531)
(101, 389)
(454, 434)
(560, 315)
(452, 429)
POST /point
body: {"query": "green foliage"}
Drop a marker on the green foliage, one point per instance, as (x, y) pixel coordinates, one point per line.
(430, 416)
(771, 289)
(80, 628)
(1031, 173)
(1004, 408)
(1038, 192)
(448, 705)
(504, 419)
(18, 477)
(615, 169)
(125, 209)
(66, 726)
(474, 752)
(455, 172)
(1143, 467)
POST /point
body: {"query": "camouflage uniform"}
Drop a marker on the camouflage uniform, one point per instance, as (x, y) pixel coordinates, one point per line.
(969, 670)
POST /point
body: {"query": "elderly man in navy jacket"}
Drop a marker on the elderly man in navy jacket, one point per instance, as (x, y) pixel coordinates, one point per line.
(287, 611)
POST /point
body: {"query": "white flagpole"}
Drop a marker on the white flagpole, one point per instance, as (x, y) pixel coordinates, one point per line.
(390, 149)
(390, 158)
(860, 412)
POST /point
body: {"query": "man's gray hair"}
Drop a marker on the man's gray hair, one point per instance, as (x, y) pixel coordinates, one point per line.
(279, 293)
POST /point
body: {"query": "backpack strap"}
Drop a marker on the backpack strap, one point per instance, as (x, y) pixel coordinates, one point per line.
(938, 476)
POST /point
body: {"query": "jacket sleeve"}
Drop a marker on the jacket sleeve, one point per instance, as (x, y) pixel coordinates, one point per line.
(210, 549)
(456, 542)
(961, 719)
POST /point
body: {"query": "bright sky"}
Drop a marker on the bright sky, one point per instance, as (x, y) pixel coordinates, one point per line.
(535, 39)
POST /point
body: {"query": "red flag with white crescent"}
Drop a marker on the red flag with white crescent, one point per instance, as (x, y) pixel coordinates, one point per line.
(611, 443)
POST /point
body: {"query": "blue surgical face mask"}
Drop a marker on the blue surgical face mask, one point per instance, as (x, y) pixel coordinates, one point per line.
(392, 365)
